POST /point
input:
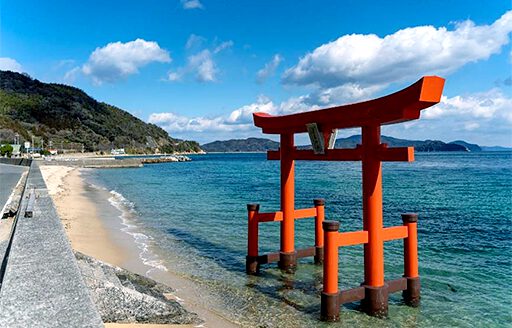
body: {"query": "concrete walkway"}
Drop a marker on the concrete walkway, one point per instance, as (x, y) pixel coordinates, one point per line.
(9, 177)
(42, 286)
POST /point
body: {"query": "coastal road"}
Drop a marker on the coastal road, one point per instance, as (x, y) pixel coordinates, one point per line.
(9, 177)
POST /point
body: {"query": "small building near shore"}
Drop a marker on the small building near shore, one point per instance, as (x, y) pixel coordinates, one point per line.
(119, 151)
(16, 150)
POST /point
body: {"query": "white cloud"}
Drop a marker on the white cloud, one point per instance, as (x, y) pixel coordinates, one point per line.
(174, 76)
(482, 106)
(237, 120)
(346, 93)
(192, 4)
(200, 64)
(223, 46)
(194, 41)
(71, 75)
(370, 60)
(203, 65)
(482, 117)
(269, 69)
(9, 64)
(237, 124)
(118, 60)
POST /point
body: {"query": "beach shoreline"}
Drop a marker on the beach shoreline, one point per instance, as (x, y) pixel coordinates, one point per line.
(82, 220)
(95, 227)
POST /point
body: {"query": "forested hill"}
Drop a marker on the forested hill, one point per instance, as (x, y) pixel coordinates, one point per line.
(66, 115)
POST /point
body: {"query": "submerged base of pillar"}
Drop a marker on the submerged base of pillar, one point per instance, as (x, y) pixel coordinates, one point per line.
(319, 255)
(412, 294)
(288, 261)
(252, 265)
(330, 307)
(375, 302)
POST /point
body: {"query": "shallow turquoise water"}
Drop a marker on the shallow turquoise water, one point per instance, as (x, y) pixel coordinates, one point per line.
(193, 217)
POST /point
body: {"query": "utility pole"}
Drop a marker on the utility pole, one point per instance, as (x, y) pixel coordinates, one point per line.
(32, 147)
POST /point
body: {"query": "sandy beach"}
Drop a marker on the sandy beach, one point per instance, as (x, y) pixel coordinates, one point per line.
(80, 217)
(97, 233)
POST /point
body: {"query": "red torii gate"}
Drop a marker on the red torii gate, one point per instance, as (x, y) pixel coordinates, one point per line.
(404, 105)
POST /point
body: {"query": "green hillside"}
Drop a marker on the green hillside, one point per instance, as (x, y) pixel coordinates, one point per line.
(67, 116)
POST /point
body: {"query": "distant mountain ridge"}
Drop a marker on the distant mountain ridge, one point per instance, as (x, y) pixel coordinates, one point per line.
(263, 144)
(240, 145)
(67, 116)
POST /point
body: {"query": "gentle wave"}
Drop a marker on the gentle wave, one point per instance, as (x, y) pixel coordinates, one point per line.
(142, 240)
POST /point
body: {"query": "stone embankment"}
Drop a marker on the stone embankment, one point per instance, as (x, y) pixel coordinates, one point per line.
(123, 296)
(174, 158)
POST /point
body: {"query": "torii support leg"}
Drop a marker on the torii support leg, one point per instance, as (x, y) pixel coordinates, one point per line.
(287, 255)
(375, 302)
(412, 294)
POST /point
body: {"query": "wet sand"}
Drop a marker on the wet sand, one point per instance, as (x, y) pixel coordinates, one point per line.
(94, 228)
(81, 218)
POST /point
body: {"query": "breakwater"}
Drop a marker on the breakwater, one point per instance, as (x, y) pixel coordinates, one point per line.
(114, 162)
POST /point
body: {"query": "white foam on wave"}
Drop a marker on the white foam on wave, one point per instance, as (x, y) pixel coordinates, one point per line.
(142, 240)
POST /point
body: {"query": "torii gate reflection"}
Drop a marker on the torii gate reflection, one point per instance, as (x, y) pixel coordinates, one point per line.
(404, 105)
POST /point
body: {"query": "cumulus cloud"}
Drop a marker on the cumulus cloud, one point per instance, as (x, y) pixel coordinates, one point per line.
(118, 60)
(192, 4)
(200, 64)
(481, 117)
(485, 118)
(476, 107)
(238, 123)
(9, 64)
(239, 119)
(203, 66)
(269, 69)
(370, 61)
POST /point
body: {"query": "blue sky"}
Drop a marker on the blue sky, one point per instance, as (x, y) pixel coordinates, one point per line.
(200, 68)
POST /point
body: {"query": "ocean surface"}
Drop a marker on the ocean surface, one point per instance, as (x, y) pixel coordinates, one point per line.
(190, 218)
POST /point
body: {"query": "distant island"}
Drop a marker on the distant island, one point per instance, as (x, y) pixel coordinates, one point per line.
(66, 117)
(262, 144)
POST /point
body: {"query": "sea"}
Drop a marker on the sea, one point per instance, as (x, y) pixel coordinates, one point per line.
(190, 218)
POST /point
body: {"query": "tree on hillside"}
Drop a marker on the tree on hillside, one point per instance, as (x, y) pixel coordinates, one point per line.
(6, 150)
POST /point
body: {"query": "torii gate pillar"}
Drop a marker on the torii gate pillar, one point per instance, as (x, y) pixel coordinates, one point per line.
(376, 296)
(287, 254)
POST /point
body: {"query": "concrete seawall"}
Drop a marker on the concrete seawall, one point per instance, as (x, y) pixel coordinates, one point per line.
(97, 163)
(42, 285)
(16, 161)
